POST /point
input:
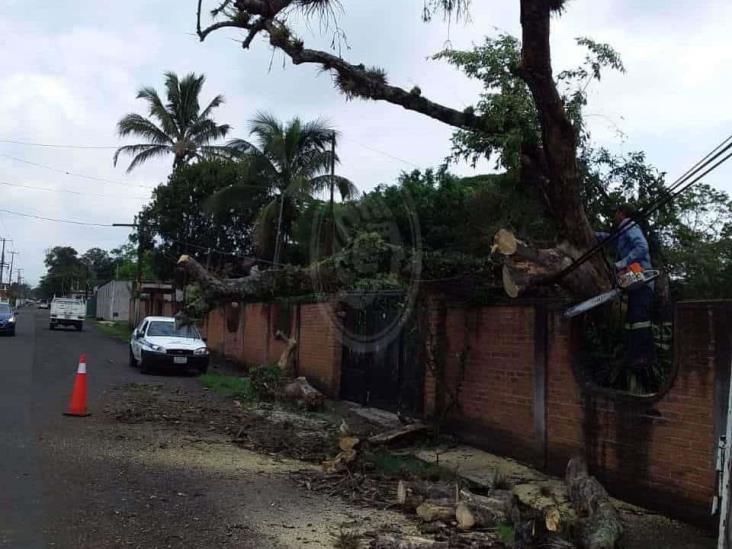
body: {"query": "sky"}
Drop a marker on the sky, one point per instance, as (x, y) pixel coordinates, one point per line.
(71, 69)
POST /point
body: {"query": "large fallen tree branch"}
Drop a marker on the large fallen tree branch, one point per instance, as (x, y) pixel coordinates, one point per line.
(600, 526)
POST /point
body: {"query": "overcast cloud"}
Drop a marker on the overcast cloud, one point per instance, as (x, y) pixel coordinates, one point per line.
(71, 69)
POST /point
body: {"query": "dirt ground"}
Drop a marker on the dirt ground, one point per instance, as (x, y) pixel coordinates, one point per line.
(261, 465)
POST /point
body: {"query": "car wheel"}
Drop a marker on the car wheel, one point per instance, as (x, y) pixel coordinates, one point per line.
(79, 327)
(133, 362)
(144, 368)
(51, 326)
(12, 334)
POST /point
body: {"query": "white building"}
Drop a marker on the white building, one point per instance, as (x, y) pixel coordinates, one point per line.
(113, 300)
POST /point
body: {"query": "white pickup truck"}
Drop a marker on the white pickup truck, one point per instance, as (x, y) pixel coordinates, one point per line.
(67, 311)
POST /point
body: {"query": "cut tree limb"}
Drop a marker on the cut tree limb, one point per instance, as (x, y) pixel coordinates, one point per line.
(301, 391)
(412, 494)
(601, 529)
(484, 511)
(526, 267)
(287, 358)
(432, 510)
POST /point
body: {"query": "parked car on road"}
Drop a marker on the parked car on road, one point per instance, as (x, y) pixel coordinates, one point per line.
(66, 311)
(7, 319)
(43, 304)
(159, 343)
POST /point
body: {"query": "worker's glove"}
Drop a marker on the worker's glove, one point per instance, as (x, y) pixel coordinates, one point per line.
(620, 265)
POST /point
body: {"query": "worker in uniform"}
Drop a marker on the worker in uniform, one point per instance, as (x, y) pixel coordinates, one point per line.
(632, 247)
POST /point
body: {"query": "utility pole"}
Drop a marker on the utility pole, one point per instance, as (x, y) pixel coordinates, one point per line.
(330, 248)
(2, 261)
(12, 260)
(139, 250)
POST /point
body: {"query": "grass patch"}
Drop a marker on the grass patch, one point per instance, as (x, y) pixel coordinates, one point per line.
(347, 540)
(393, 465)
(506, 534)
(120, 330)
(229, 386)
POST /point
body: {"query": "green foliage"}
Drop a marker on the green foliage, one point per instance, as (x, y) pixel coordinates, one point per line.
(266, 381)
(507, 102)
(290, 163)
(506, 534)
(119, 330)
(177, 223)
(391, 465)
(239, 388)
(179, 126)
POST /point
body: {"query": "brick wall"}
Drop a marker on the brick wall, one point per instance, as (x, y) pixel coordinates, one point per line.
(520, 395)
(247, 334)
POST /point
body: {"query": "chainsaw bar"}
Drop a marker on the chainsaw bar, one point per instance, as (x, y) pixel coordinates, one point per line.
(604, 298)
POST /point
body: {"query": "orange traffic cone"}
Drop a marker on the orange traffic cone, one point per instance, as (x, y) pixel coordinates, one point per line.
(77, 406)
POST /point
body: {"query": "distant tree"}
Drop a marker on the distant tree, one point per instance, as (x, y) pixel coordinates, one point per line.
(175, 222)
(99, 264)
(291, 163)
(178, 127)
(65, 272)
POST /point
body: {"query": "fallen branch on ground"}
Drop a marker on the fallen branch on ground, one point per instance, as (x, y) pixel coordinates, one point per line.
(600, 527)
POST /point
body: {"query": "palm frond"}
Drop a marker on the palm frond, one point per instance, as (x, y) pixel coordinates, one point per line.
(345, 187)
(159, 111)
(135, 124)
(215, 103)
(142, 153)
(203, 131)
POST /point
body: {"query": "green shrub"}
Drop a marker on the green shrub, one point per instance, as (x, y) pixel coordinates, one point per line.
(267, 382)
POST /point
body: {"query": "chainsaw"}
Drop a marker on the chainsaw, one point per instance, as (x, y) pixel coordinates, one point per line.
(630, 278)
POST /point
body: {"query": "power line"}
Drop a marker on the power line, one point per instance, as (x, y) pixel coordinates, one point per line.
(56, 146)
(56, 220)
(72, 192)
(674, 190)
(73, 174)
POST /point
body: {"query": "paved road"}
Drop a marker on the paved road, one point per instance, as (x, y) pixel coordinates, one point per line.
(63, 481)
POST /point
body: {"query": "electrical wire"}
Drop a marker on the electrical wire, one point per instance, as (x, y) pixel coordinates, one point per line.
(69, 191)
(56, 220)
(73, 174)
(673, 191)
(56, 146)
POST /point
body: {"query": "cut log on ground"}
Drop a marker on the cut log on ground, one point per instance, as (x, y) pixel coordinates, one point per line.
(548, 502)
(412, 494)
(484, 511)
(526, 267)
(395, 435)
(600, 526)
(407, 542)
(300, 390)
(348, 443)
(436, 509)
(286, 362)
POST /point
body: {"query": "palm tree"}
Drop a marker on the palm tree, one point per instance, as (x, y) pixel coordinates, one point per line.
(182, 128)
(293, 161)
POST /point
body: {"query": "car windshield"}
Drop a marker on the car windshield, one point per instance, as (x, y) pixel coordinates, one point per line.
(163, 328)
(4, 308)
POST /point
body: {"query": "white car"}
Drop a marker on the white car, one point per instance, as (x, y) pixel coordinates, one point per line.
(157, 343)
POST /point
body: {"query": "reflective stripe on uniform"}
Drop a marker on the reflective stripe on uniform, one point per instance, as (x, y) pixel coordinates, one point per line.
(639, 325)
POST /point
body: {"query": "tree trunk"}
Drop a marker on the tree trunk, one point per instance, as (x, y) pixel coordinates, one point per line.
(286, 360)
(485, 511)
(553, 165)
(525, 267)
(600, 527)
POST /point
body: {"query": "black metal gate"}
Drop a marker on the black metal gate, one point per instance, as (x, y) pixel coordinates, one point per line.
(379, 364)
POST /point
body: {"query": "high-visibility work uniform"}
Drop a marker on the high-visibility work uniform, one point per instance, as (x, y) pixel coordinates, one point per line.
(632, 247)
